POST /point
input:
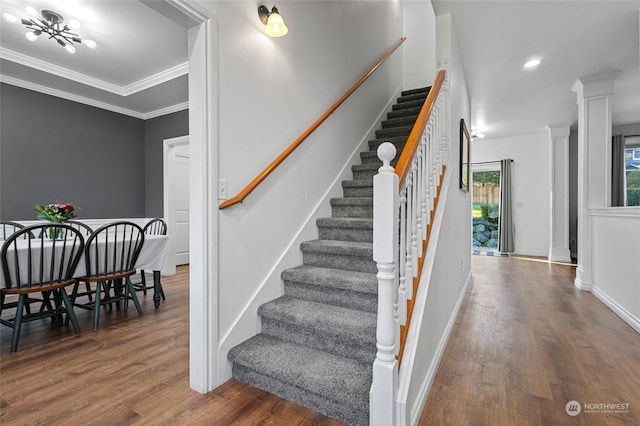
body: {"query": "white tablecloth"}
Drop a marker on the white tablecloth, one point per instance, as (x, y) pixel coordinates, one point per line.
(153, 256)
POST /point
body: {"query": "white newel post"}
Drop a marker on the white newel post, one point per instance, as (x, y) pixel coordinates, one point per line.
(382, 396)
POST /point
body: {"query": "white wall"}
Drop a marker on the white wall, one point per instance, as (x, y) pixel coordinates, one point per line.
(531, 186)
(270, 91)
(419, 58)
(615, 237)
(451, 264)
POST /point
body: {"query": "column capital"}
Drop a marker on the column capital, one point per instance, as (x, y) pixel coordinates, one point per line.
(595, 85)
(559, 130)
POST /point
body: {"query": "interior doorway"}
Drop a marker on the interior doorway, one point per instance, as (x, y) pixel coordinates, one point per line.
(486, 207)
(176, 196)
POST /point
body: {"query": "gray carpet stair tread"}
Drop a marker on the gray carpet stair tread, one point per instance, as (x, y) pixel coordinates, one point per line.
(350, 248)
(336, 320)
(353, 201)
(425, 89)
(404, 112)
(361, 282)
(357, 183)
(345, 222)
(338, 378)
(364, 167)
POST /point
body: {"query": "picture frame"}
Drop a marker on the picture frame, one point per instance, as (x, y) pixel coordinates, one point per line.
(465, 156)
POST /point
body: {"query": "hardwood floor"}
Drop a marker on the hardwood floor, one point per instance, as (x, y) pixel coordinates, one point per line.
(134, 370)
(525, 343)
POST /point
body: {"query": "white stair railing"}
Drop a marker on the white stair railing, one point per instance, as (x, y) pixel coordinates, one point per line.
(404, 200)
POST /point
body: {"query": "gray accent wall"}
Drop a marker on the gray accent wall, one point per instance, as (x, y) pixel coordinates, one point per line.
(52, 149)
(156, 130)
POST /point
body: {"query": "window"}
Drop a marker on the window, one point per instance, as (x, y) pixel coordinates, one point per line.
(632, 171)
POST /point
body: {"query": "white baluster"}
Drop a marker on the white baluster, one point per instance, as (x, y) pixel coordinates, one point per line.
(384, 386)
(402, 261)
(418, 205)
(414, 220)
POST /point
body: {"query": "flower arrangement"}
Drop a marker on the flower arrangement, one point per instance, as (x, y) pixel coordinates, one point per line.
(55, 212)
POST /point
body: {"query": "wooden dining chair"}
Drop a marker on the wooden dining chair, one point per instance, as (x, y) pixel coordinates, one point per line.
(8, 228)
(155, 226)
(85, 229)
(39, 265)
(110, 257)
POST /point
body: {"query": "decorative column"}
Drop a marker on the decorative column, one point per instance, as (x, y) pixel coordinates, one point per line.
(559, 249)
(594, 94)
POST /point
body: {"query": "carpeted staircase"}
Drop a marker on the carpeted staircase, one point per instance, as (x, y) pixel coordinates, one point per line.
(318, 340)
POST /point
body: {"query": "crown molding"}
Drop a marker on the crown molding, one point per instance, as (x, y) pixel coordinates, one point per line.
(145, 83)
(164, 111)
(156, 79)
(91, 102)
(31, 62)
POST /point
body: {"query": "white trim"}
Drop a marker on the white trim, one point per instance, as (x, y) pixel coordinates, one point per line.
(616, 212)
(559, 255)
(145, 83)
(68, 96)
(169, 146)
(91, 102)
(535, 253)
(165, 111)
(156, 79)
(203, 233)
(615, 307)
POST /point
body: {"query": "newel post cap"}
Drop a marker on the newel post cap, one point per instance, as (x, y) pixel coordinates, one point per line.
(386, 152)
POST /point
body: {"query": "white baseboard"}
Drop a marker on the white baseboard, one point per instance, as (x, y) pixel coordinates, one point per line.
(626, 316)
(536, 253)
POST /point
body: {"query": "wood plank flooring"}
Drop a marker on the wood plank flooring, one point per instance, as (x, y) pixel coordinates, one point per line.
(525, 343)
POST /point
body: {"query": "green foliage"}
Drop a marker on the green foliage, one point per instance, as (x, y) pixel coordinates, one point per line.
(633, 179)
(633, 196)
(491, 178)
(55, 212)
(484, 208)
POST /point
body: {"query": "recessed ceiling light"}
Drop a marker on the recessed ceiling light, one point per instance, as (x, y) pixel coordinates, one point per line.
(532, 63)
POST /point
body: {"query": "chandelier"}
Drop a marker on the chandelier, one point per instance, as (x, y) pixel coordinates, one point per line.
(52, 24)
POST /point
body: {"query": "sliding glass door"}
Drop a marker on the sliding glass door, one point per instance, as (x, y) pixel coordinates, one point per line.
(486, 207)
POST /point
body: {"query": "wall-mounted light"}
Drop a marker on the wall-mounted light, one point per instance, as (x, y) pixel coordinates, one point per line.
(273, 23)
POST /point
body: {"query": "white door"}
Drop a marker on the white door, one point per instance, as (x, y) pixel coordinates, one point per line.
(181, 204)
(176, 199)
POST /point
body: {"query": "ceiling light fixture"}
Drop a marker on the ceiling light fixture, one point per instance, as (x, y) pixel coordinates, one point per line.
(532, 63)
(52, 24)
(274, 25)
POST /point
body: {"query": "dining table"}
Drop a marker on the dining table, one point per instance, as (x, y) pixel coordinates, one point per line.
(153, 257)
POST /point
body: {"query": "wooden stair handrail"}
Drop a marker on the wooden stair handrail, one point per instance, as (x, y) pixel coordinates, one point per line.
(275, 163)
(411, 147)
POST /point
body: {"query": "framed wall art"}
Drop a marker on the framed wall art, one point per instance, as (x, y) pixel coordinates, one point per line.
(465, 156)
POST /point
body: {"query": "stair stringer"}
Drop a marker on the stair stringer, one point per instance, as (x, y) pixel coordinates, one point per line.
(408, 412)
(247, 323)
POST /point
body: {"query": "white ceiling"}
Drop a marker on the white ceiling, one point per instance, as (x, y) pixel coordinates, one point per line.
(573, 38)
(139, 67)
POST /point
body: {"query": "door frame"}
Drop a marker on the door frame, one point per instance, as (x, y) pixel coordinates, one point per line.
(203, 212)
(168, 176)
